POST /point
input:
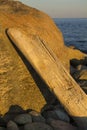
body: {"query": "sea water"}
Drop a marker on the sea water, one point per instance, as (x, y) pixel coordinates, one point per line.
(74, 31)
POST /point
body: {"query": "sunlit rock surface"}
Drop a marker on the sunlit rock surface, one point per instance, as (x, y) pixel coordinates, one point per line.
(19, 83)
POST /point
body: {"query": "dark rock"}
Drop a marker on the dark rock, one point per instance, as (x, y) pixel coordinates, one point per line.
(47, 108)
(72, 70)
(7, 117)
(85, 89)
(50, 114)
(37, 126)
(81, 67)
(37, 117)
(82, 83)
(21, 127)
(2, 122)
(16, 109)
(23, 119)
(12, 126)
(81, 75)
(62, 115)
(2, 128)
(61, 125)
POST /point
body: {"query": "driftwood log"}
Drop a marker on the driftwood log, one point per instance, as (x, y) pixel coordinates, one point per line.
(53, 73)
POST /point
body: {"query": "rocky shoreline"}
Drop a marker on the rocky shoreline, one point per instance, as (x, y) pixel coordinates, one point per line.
(52, 116)
(25, 100)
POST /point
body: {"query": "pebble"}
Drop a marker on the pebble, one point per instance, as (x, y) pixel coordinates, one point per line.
(52, 117)
(2, 128)
(12, 126)
(61, 125)
(23, 119)
(62, 115)
(50, 114)
(9, 116)
(37, 117)
(37, 126)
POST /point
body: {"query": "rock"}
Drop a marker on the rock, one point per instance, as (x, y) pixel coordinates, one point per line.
(81, 75)
(37, 126)
(85, 89)
(37, 117)
(7, 117)
(61, 125)
(50, 114)
(12, 126)
(21, 127)
(76, 62)
(82, 83)
(81, 67)
(72, 70)
(2, 128)
(23, 119)
(15, 109)
(47, 107)
(2, 122)
(57, 114)
(62, 115)
(19, 83)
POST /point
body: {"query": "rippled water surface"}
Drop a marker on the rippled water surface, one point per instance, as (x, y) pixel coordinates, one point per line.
(74, 32)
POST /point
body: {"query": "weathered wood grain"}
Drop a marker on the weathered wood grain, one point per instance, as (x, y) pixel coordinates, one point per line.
(53, 73)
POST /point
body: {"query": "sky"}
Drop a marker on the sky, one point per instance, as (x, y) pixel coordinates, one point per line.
(60, 8)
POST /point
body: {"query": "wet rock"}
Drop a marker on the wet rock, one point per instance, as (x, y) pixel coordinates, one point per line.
(23, 119)
(12, 126)
(37, 126)
(37, 117)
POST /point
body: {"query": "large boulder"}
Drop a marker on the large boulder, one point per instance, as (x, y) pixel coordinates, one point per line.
(19, 83)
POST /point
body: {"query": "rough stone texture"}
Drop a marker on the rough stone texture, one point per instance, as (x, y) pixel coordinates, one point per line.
(23, 119)
(2, 128)
(36, 116)
(62, 115)
(81, 75)
(19, 84)
(61, 125)
(12, 126)
(37, 126)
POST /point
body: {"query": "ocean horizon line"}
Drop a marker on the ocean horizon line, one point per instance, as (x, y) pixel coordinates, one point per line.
(68, 18)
